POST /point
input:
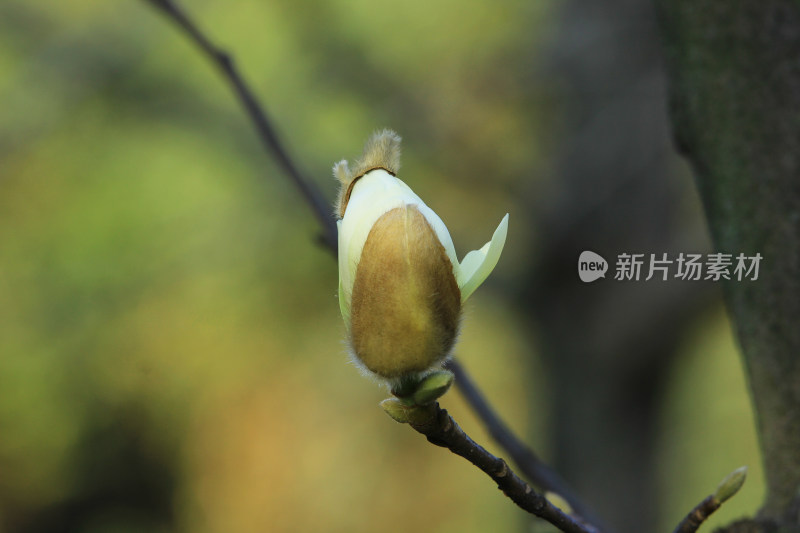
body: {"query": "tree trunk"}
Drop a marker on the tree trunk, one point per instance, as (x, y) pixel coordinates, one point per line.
(734, 71)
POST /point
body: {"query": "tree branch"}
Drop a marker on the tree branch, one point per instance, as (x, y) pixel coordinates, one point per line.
(440, 429)
(266, 133)
(528, 462)
(698, 515)
(523, 457)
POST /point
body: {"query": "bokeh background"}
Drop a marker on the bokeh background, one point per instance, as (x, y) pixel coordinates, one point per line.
(171, 355)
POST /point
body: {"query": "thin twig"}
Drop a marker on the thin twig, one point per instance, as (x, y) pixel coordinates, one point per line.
(321, 209)
(530, 465)
(440, 429)
(700, 513)
(523, 457)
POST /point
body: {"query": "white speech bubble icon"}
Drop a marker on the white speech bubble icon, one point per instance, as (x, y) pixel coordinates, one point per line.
(591, 266)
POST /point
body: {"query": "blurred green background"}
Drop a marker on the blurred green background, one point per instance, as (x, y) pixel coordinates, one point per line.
(171, 350)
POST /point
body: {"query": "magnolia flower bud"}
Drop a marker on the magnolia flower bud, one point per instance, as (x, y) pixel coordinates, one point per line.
(401, 286)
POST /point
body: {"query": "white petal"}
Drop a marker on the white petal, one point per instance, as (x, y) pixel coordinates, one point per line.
(373, 195)
(478, 264)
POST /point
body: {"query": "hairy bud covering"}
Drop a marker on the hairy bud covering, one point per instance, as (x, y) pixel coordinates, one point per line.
(406, 304)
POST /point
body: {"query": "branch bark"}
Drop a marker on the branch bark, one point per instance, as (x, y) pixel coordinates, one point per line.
(735, 99)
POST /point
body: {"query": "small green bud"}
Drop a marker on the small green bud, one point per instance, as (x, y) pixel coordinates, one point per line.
(731, 484)
(433, 387)
(396, 409)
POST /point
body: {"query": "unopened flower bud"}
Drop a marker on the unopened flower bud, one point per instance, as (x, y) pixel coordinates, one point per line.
(401, 286)
(731, 484)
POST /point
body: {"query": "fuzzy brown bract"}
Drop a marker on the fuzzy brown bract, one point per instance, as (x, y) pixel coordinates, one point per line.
(382, 150)
(406, 304)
